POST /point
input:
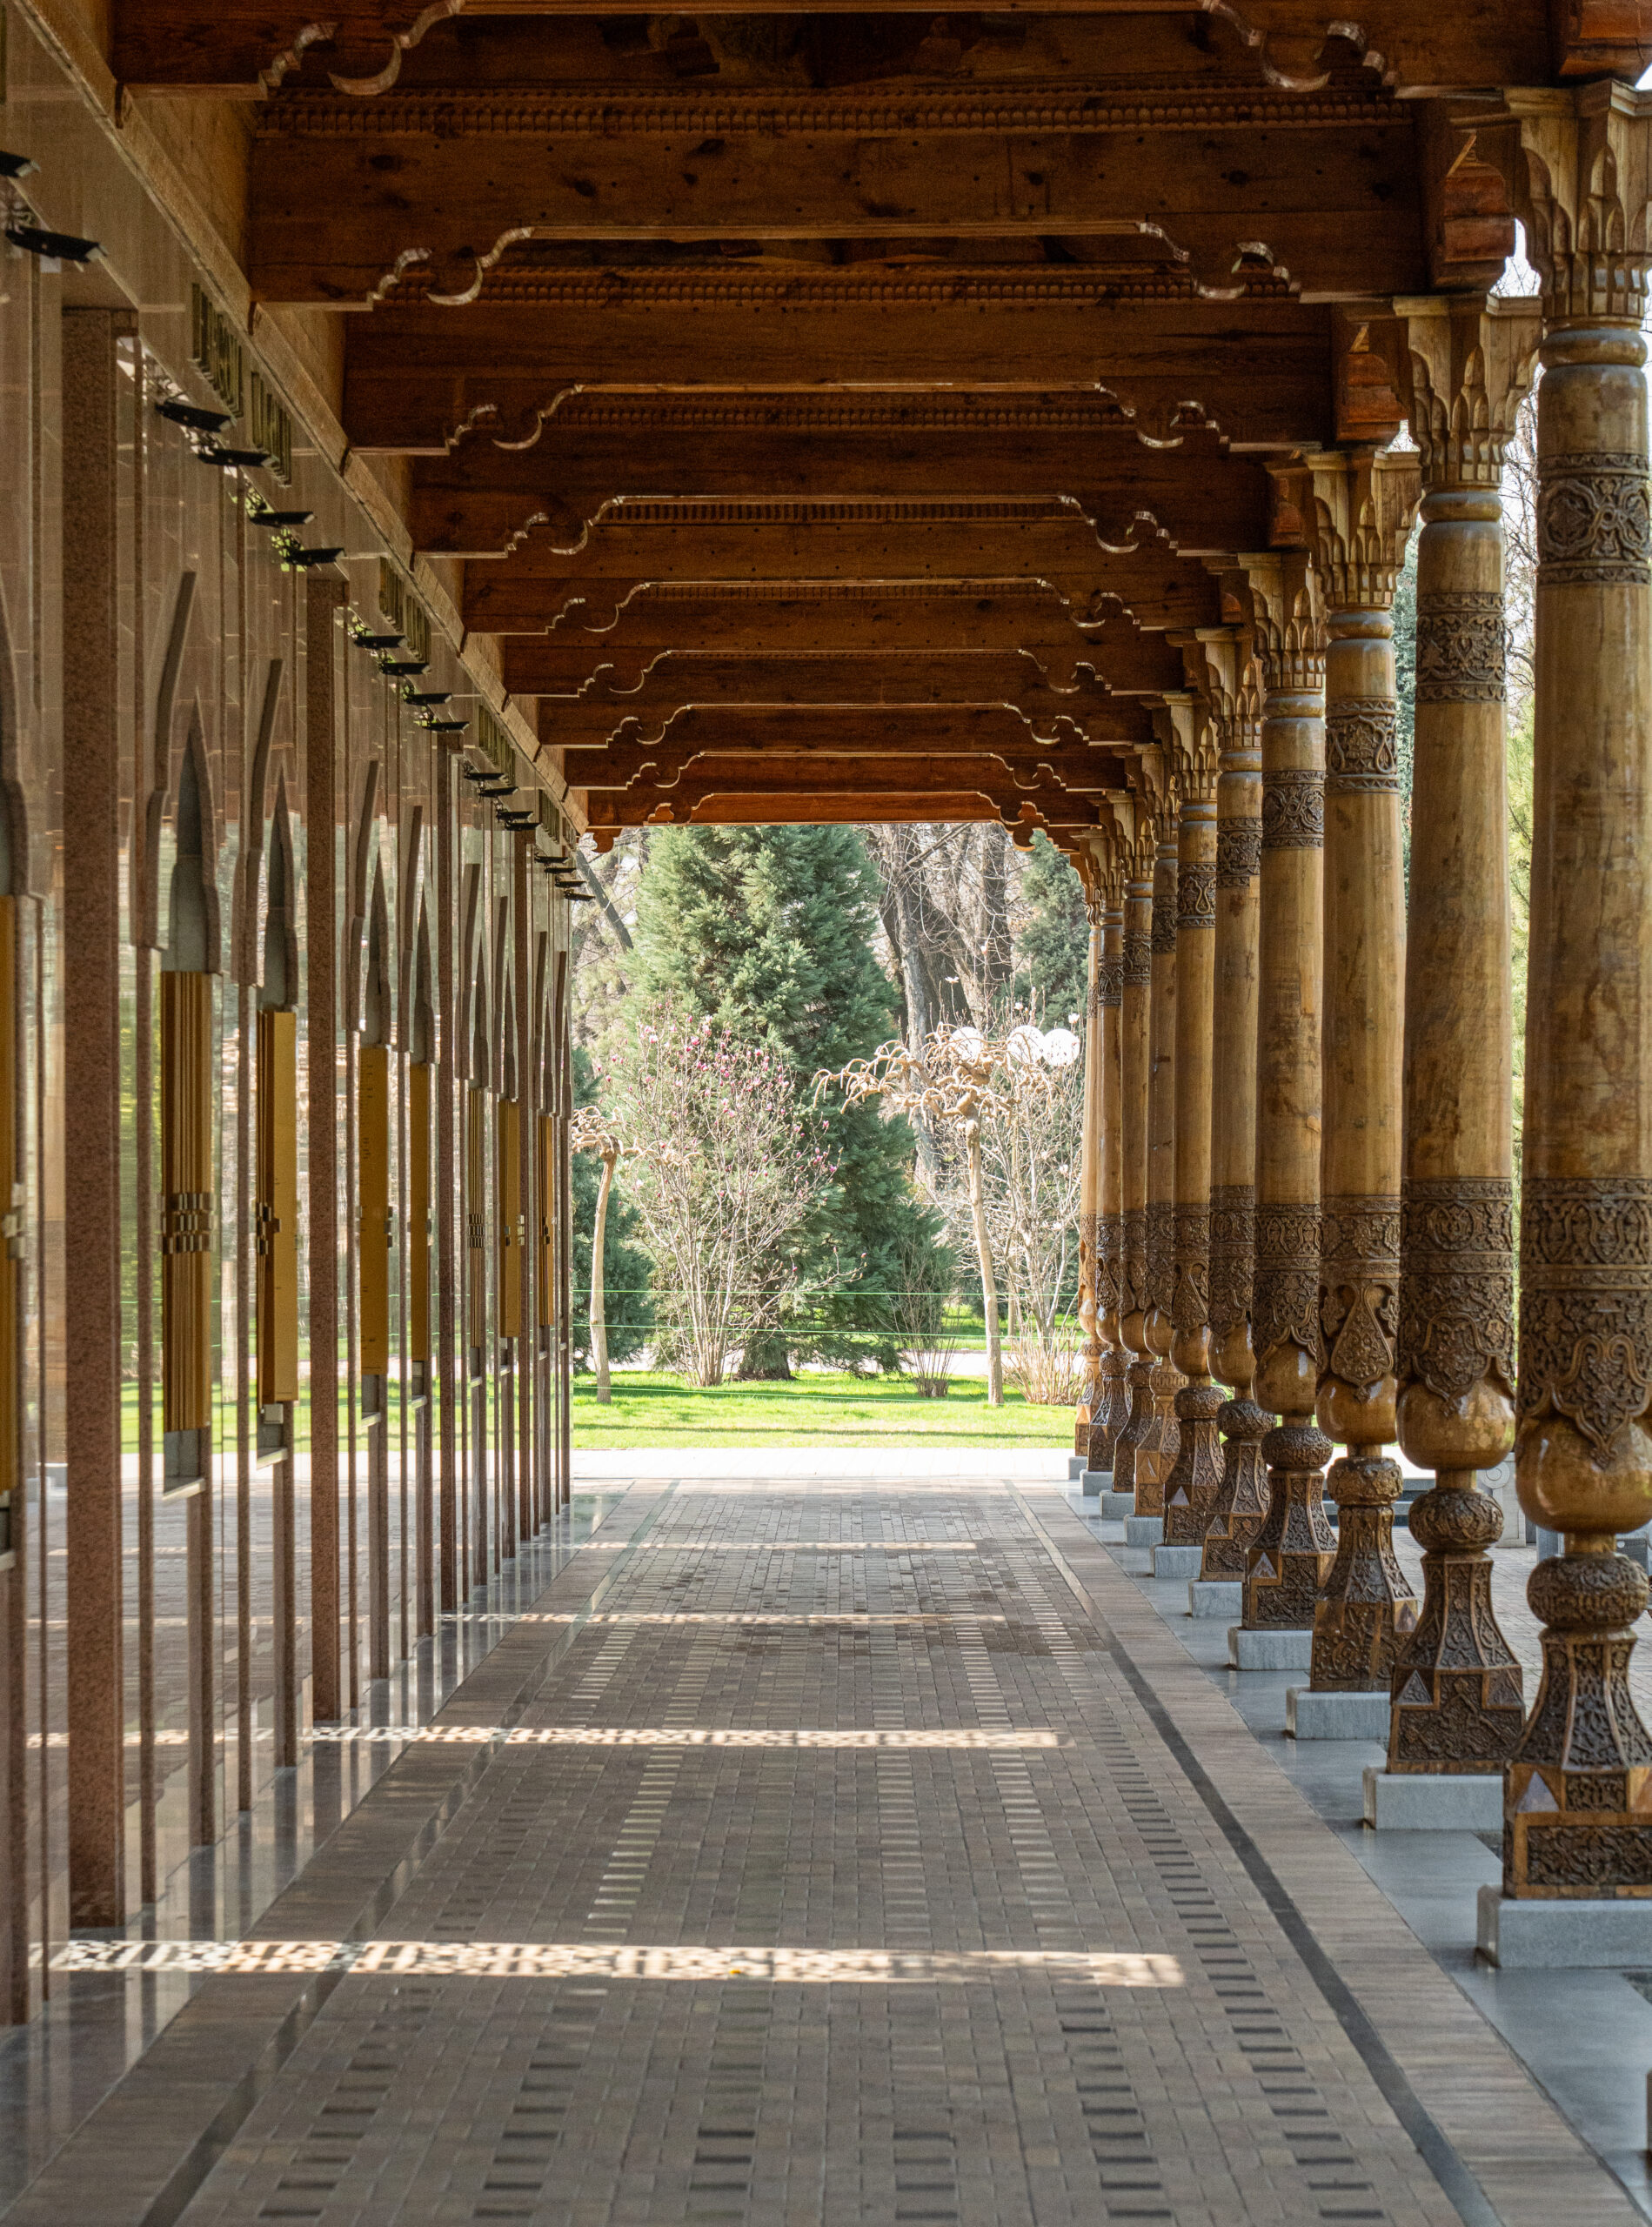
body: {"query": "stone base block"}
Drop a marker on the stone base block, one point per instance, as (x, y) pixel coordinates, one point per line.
(1143, 1530)
(1309, 1715)
(1177, 1562)
(1095, 1481)
(1275, 1651)
(1216, 1596)
(1429, 1801)
(1074, 1467)
(1117, 1508)
(1528, 1937)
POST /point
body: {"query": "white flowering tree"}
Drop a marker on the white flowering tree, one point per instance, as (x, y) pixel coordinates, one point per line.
(724, 1174)
(1003, 1104)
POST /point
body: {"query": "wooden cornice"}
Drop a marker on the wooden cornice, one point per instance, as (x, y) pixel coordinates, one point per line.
(1024, 619)
(251, 46)
(765, 737)
(1334, 212)
(419, 380)
(487, 499)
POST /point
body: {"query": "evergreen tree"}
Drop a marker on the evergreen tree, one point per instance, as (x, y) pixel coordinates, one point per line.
(1053, 945)
(768, 932)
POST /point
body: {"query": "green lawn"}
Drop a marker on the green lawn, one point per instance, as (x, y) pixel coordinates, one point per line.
(654, 1410)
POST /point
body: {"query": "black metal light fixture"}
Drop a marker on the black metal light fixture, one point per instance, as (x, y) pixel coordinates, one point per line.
(16, 165)
(446, 726)
(497, 789)
(279, 518)
(56, 247)
(378, 641)
(300, 560)
(397, 668)
(424, 697)
(192, 415)
(474, 776)
(514, 818)
(232, 459)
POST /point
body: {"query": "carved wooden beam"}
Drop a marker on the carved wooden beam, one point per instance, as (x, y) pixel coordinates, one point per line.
(1025, 620)
(1258, 369)
(862, 541)
(485, 499)
(1409, 45)
(348, 196)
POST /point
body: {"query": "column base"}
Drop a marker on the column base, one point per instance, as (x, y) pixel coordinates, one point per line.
(1280, 1649)
(1312, 1715)
(1177, 1562)
(1143, 1530)
(1074, 1467)
(1215, 1596)
(1095, 1481)
(1117, 1507)
(1520, 1935)
(1433, 1801)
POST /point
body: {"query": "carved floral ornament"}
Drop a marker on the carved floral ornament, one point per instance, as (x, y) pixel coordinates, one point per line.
(1457, 1291)
(1586, 1301)
(1360, 1278)
(1578, 163)
(1463, 647)
(1238, 852)
(1285, 1309)
(1294, 809)
(1594, 520)
(1232, 1254)
(1362, 745)
(1196, 894)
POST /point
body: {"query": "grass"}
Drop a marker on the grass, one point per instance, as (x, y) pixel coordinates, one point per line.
(649, 1409)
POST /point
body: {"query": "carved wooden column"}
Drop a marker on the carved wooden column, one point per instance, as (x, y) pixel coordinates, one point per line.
(1362, 505)
(1158, 1452)
(1578, 1818)
(1456, 1686)
(1192, 1484)
(1136, 996)
(1292, 1555)
(1113, 1409)
(1222, 656)
(1090, 1392)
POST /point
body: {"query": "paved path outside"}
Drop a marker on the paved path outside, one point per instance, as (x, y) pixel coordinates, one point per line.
(826, 1851)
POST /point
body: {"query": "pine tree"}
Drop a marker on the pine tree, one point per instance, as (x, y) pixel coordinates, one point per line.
(1053, 949)
(768, 932)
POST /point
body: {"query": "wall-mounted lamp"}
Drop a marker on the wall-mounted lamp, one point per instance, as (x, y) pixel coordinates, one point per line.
(191, 414)
(397, 668)
(54, 247)
(232, 459)
(300, 560)
(426, 696)
(279, 518)
(17, 165)
(376, 641)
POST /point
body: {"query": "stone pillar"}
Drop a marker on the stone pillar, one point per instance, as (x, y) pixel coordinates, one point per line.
(1232, 683)
(1292, 1555)
(1158, 1452)
(1578, 1818)
(1192, 1484)
(1090, 1147)
(1136, 996)
(1362, 507)
(1114, 1408)
(1456, 1686)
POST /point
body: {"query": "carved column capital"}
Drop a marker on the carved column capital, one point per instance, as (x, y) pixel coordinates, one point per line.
(1578, 163)
(1287, 620)
(1465, 365)
(1358, 520)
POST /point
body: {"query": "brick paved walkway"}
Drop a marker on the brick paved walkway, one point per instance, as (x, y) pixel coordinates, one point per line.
(822, 1853)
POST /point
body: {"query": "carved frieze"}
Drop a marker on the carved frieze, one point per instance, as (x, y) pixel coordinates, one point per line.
(1362, 745)
(1190, 1302)
(1586, 1301)
(1196, 894)
(1457, 1284)
(1359, 1279)
(1136, 961)
(1594, 520)
(1233, 1255)
(1294, 809)
(1463, 647)
(1286, 1294)
(1238, 852)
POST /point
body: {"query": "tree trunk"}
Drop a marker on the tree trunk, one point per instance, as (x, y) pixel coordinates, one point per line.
(599, 1296)
(983, 1254)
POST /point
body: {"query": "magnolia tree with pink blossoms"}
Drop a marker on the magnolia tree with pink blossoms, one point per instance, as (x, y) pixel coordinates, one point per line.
(724, 1174)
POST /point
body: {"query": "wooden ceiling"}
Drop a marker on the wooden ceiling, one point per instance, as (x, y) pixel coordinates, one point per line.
(861, 416)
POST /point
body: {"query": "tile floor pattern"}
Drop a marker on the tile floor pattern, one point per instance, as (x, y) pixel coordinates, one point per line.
(1086, 2007)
